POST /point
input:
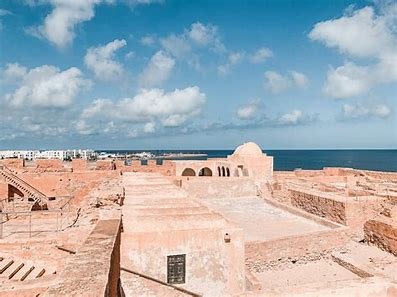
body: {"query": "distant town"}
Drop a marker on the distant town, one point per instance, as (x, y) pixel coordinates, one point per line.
(88, 154)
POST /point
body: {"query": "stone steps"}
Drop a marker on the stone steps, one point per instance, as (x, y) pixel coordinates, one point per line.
(20, 184)
(21, 270)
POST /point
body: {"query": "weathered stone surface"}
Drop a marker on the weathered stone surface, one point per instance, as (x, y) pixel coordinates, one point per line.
(382, 234)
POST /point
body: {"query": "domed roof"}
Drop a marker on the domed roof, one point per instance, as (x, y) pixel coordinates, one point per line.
(248, 149)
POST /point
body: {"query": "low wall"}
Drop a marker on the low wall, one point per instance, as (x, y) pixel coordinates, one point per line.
(350, 211)
(95, 269)
(320, 206)
(218, 187)
(382, 235)
(13, 163)
(258, 254)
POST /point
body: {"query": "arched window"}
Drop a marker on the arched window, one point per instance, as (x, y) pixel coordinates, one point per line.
(223, 171)
(188, 172)
(219, 171)
(205, 172)
(227, 171)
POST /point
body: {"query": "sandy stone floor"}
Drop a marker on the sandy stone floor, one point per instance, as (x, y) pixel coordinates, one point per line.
(311, 272)
(260, 220)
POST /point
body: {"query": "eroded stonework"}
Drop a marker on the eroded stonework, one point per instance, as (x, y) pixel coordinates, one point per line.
(108, 228)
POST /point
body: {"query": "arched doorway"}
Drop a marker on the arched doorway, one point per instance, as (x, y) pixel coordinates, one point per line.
(219, 171)
(205, 172)
(188, 172)
(223, 171)
(227, 171)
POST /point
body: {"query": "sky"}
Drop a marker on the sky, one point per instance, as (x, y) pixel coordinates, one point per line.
(205, 74)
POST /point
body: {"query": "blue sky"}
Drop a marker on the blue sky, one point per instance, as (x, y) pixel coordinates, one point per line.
(146, 74)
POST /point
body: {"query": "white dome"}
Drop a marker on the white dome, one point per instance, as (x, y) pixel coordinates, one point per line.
(248, 149)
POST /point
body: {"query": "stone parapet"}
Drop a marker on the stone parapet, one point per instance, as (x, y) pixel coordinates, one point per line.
(95, 269)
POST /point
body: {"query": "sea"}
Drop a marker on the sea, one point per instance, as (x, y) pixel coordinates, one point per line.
(374, 159)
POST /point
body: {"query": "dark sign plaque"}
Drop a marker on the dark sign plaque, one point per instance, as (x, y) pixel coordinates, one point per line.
(176, 269)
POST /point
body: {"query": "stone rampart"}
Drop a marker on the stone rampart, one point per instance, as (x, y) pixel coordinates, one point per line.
(95, 269)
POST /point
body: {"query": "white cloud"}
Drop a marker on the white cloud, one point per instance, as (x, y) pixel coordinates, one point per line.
(100, 60)
(150, 105)
(248, 111)
(358, 110)
(277, 83)
(206, 35)
(299, 79)
(177, 46)
(175, 120)
(148, 40)
(3, 12)
(130, 55)
(13, 73)
(48, 86)
(261, 55)
(233, 59)
(149, 127)
(133, 133)
(348, 80)
(83, 128)
(142, 2)
(158, 70)
(292, 118)
(361, 34)
(96, 107)
(59, 25)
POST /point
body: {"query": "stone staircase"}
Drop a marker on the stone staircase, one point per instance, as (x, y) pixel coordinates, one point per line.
(21, 270)
(31, 192)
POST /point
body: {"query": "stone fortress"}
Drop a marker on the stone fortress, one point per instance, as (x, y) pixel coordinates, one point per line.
(218, 227)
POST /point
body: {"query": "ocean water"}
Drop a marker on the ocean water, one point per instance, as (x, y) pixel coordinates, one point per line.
(382, 160)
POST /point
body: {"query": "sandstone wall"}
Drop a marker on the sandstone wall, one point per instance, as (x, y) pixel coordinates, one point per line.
(218, 187)
(312, 245)
(320, 206)
(167, 168)
(351, 211)
(95, 269)
(13, 163)
(382, 234)
(79, 165)
(3, 190)
(76, 184)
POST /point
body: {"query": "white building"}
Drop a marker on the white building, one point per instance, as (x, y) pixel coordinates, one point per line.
(51, 154)
(28, 155)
